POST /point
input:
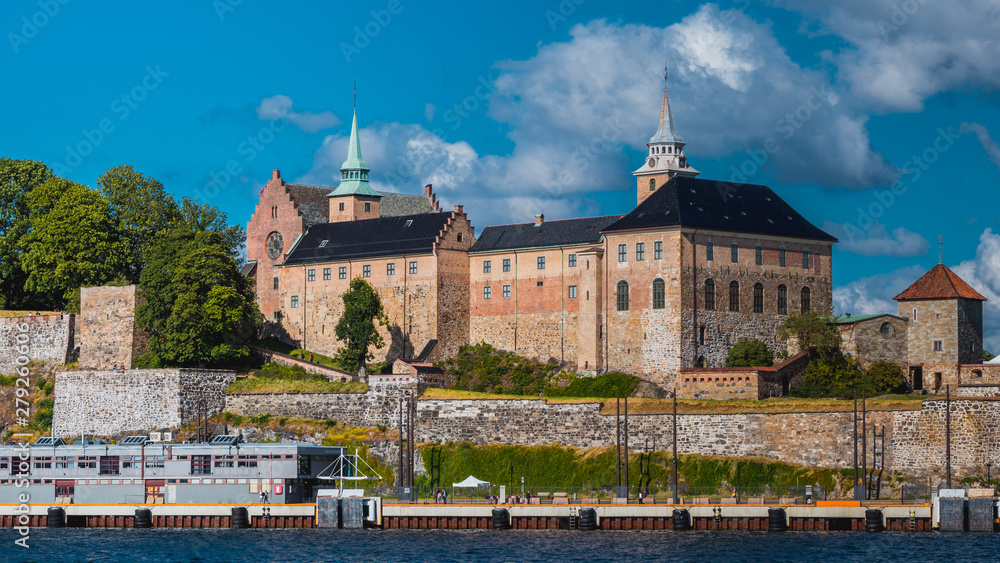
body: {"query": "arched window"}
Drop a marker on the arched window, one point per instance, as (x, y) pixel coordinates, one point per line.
(621, 296)
(659, 299)
(734, 296)
(758, 298)
(805, 300)
(710, 295)
(652, 185)
(782, 300)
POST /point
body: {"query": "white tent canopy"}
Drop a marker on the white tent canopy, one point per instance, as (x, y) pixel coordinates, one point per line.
(471, 481)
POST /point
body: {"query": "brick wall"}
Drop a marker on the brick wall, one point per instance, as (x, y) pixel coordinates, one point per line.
(107, 403)
(48, 339)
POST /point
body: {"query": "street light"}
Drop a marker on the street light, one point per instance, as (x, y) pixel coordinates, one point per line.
(988, 466)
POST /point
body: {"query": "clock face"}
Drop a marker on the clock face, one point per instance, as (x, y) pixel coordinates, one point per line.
(275, 245)
(652, 162)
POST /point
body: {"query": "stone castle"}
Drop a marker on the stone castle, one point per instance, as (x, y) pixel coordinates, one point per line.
(697, 266)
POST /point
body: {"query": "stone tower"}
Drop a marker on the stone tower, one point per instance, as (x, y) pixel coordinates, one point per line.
(354, 198)
(666, 154)
(945, 328)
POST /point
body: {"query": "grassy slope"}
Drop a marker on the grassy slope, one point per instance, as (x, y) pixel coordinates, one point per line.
(280, 385)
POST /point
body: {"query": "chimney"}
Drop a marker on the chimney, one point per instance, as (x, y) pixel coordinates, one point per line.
(427, 190)
(539, 219)
(275, 174)
(458, 210)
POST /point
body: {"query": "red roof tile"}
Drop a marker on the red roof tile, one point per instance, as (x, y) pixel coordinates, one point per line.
(939, 283)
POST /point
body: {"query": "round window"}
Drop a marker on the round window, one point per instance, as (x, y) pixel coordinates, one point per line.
(886, 330)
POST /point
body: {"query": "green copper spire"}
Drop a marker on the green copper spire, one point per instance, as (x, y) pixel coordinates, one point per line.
(354, 171)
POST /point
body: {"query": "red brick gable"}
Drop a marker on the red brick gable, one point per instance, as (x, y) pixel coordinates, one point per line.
(939, 283)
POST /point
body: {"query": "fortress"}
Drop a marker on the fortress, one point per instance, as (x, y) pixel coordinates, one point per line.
(697, 266)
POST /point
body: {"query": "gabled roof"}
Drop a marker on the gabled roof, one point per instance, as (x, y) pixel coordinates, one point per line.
(314, 205)
(385, 236)
(939, 283)
(549, 233)
(721, 206)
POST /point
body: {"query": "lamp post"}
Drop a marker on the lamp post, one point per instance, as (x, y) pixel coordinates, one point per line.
(988, 466)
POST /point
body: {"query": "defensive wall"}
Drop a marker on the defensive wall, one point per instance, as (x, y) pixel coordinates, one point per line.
(49, 339)
(915, 439)
(114, 402)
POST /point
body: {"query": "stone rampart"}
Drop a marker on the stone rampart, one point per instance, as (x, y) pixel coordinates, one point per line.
(914, 438)
(106, 403)
(48, 339)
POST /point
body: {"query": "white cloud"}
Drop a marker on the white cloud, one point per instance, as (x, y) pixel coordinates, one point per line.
(280, 107)
(983, 274)
(878, 241)
(983, 134)
(873, 294)
(900, 52)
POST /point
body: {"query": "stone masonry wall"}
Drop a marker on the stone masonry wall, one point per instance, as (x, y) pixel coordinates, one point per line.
(48, 339)
(915, 439)
(108, 335)
(106, 403)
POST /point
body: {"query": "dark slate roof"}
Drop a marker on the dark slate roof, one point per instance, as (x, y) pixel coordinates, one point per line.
(549, 233)
(386, 236)
(721, 206)
(393, 205)
(249, 269)
(311, 214)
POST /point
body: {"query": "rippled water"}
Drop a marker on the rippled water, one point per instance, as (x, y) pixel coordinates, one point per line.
(183, 545)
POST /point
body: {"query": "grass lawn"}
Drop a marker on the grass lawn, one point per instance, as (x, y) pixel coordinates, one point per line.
(282, 348)
(294, 385)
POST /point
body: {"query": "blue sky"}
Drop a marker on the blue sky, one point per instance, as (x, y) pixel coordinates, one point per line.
(521, 107)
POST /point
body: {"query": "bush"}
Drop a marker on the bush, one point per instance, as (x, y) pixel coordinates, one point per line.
(278, 370)
(603, 386)
(749, 353)
(149, 360)
(835, 375)
(885, 377)
(483, 368)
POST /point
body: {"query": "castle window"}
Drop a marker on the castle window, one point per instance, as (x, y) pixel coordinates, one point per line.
(341, 206)
(758, 255)
(326, 273)
(782, 300)
(539, 283)
(734, 252)
(659, 294)
(670, 149)
(413, 267)
(622, 252)
(275, 283)
(540, 262)
(390, 269)
(734, 296)
(658, 250)
(366, 271)
(506, 291)
(758, 298)
(488, 292)
(652, 185)
(506, 264)
(459, 237)
(487, 266)
(572, 292)
(781, 256)
(805, 259)
(621, 296)
(342, 273)
(311, 275)
(914, 314)
(572, 261)
(701, 340)
(885, 330)
(709, 251)
(295, 302)
(938, 345)
(710, 295)
(806, 306)
(640, 251)
(368, 207)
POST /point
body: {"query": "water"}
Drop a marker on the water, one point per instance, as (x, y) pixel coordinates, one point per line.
(311, 545)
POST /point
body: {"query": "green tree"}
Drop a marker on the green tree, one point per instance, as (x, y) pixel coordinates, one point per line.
(198, 310)
(884, 377)
(831, 374)
(749, 353)
(809, 329)
(140, 209)
(987, 355)
(17, 179)
(357, 327)
(72, 243)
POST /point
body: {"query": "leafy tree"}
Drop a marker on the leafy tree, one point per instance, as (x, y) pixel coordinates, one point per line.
(17, 179)
(987, 355)
(139, 210)
(357, 326)
(831, 374)
(809, 329)
(749, 353)
(884, 377)
(481, 367)
(197, 309)
(72, 243)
